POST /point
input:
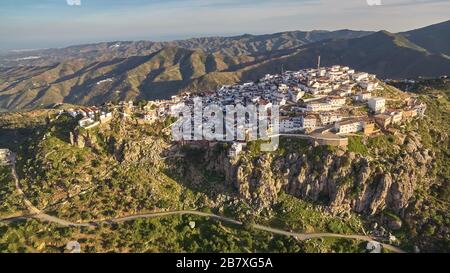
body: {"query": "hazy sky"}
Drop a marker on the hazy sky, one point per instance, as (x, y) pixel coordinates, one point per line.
(29, 24)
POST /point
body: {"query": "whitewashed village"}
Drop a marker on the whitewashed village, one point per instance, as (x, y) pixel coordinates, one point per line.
(325, 105)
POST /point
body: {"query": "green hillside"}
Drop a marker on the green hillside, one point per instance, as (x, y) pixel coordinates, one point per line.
(434, 38)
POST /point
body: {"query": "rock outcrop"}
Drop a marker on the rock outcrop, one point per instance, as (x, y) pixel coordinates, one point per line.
(344, 181)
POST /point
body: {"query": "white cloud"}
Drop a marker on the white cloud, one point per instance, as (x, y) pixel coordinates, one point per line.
(74, 2)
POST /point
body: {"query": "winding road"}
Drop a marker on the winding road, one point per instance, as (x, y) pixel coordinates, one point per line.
(38, 214)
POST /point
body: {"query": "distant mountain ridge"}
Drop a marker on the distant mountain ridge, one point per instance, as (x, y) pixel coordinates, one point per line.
(93, 74)
(230, 46)
(435, 38)
(386, 54)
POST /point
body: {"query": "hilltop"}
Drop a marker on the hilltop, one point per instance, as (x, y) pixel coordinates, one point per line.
(397, 184)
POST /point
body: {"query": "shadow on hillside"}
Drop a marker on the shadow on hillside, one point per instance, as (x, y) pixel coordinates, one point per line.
(189, 168)
(12, 138)
(162, 90)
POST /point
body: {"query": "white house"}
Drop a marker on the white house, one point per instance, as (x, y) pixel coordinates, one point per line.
(327, 119)
(396, 116)
(85, 122)
(368, 85)
(335, 68)
(349, 126)
(283, 87)
(377, 105)
(286, 125)
(290, 124)
(319, 107)
(280, 96)
(309, 122)
(236, 149)
(72, 112)
(336, 101)
(360, 76)
(296, 94)
(346, 89)
(105, 117)
(365, 96)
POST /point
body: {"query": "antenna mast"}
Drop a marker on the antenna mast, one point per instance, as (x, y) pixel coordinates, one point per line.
(318, 63)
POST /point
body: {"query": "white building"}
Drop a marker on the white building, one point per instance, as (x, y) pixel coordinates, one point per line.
(368, 85)
(327, 119)
(360, 76)
(105, 117)
(236, 149)
(336, 101)
(286, 125)
(85, 122)
(290, 125)
(377, 105)
(365, 96)
(320, 107)
(296, 94)
(309, 122)
(396, 116)
(283, 88)
(72, 112)
(349, 126)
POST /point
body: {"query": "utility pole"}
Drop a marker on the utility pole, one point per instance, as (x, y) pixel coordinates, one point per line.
(318, 63)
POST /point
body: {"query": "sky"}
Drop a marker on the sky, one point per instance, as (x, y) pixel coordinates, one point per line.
(33, 24)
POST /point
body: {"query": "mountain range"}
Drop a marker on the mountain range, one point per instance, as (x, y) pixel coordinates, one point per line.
(96, 73)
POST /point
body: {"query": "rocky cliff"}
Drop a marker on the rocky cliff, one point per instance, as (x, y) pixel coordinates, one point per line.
(342, 180)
